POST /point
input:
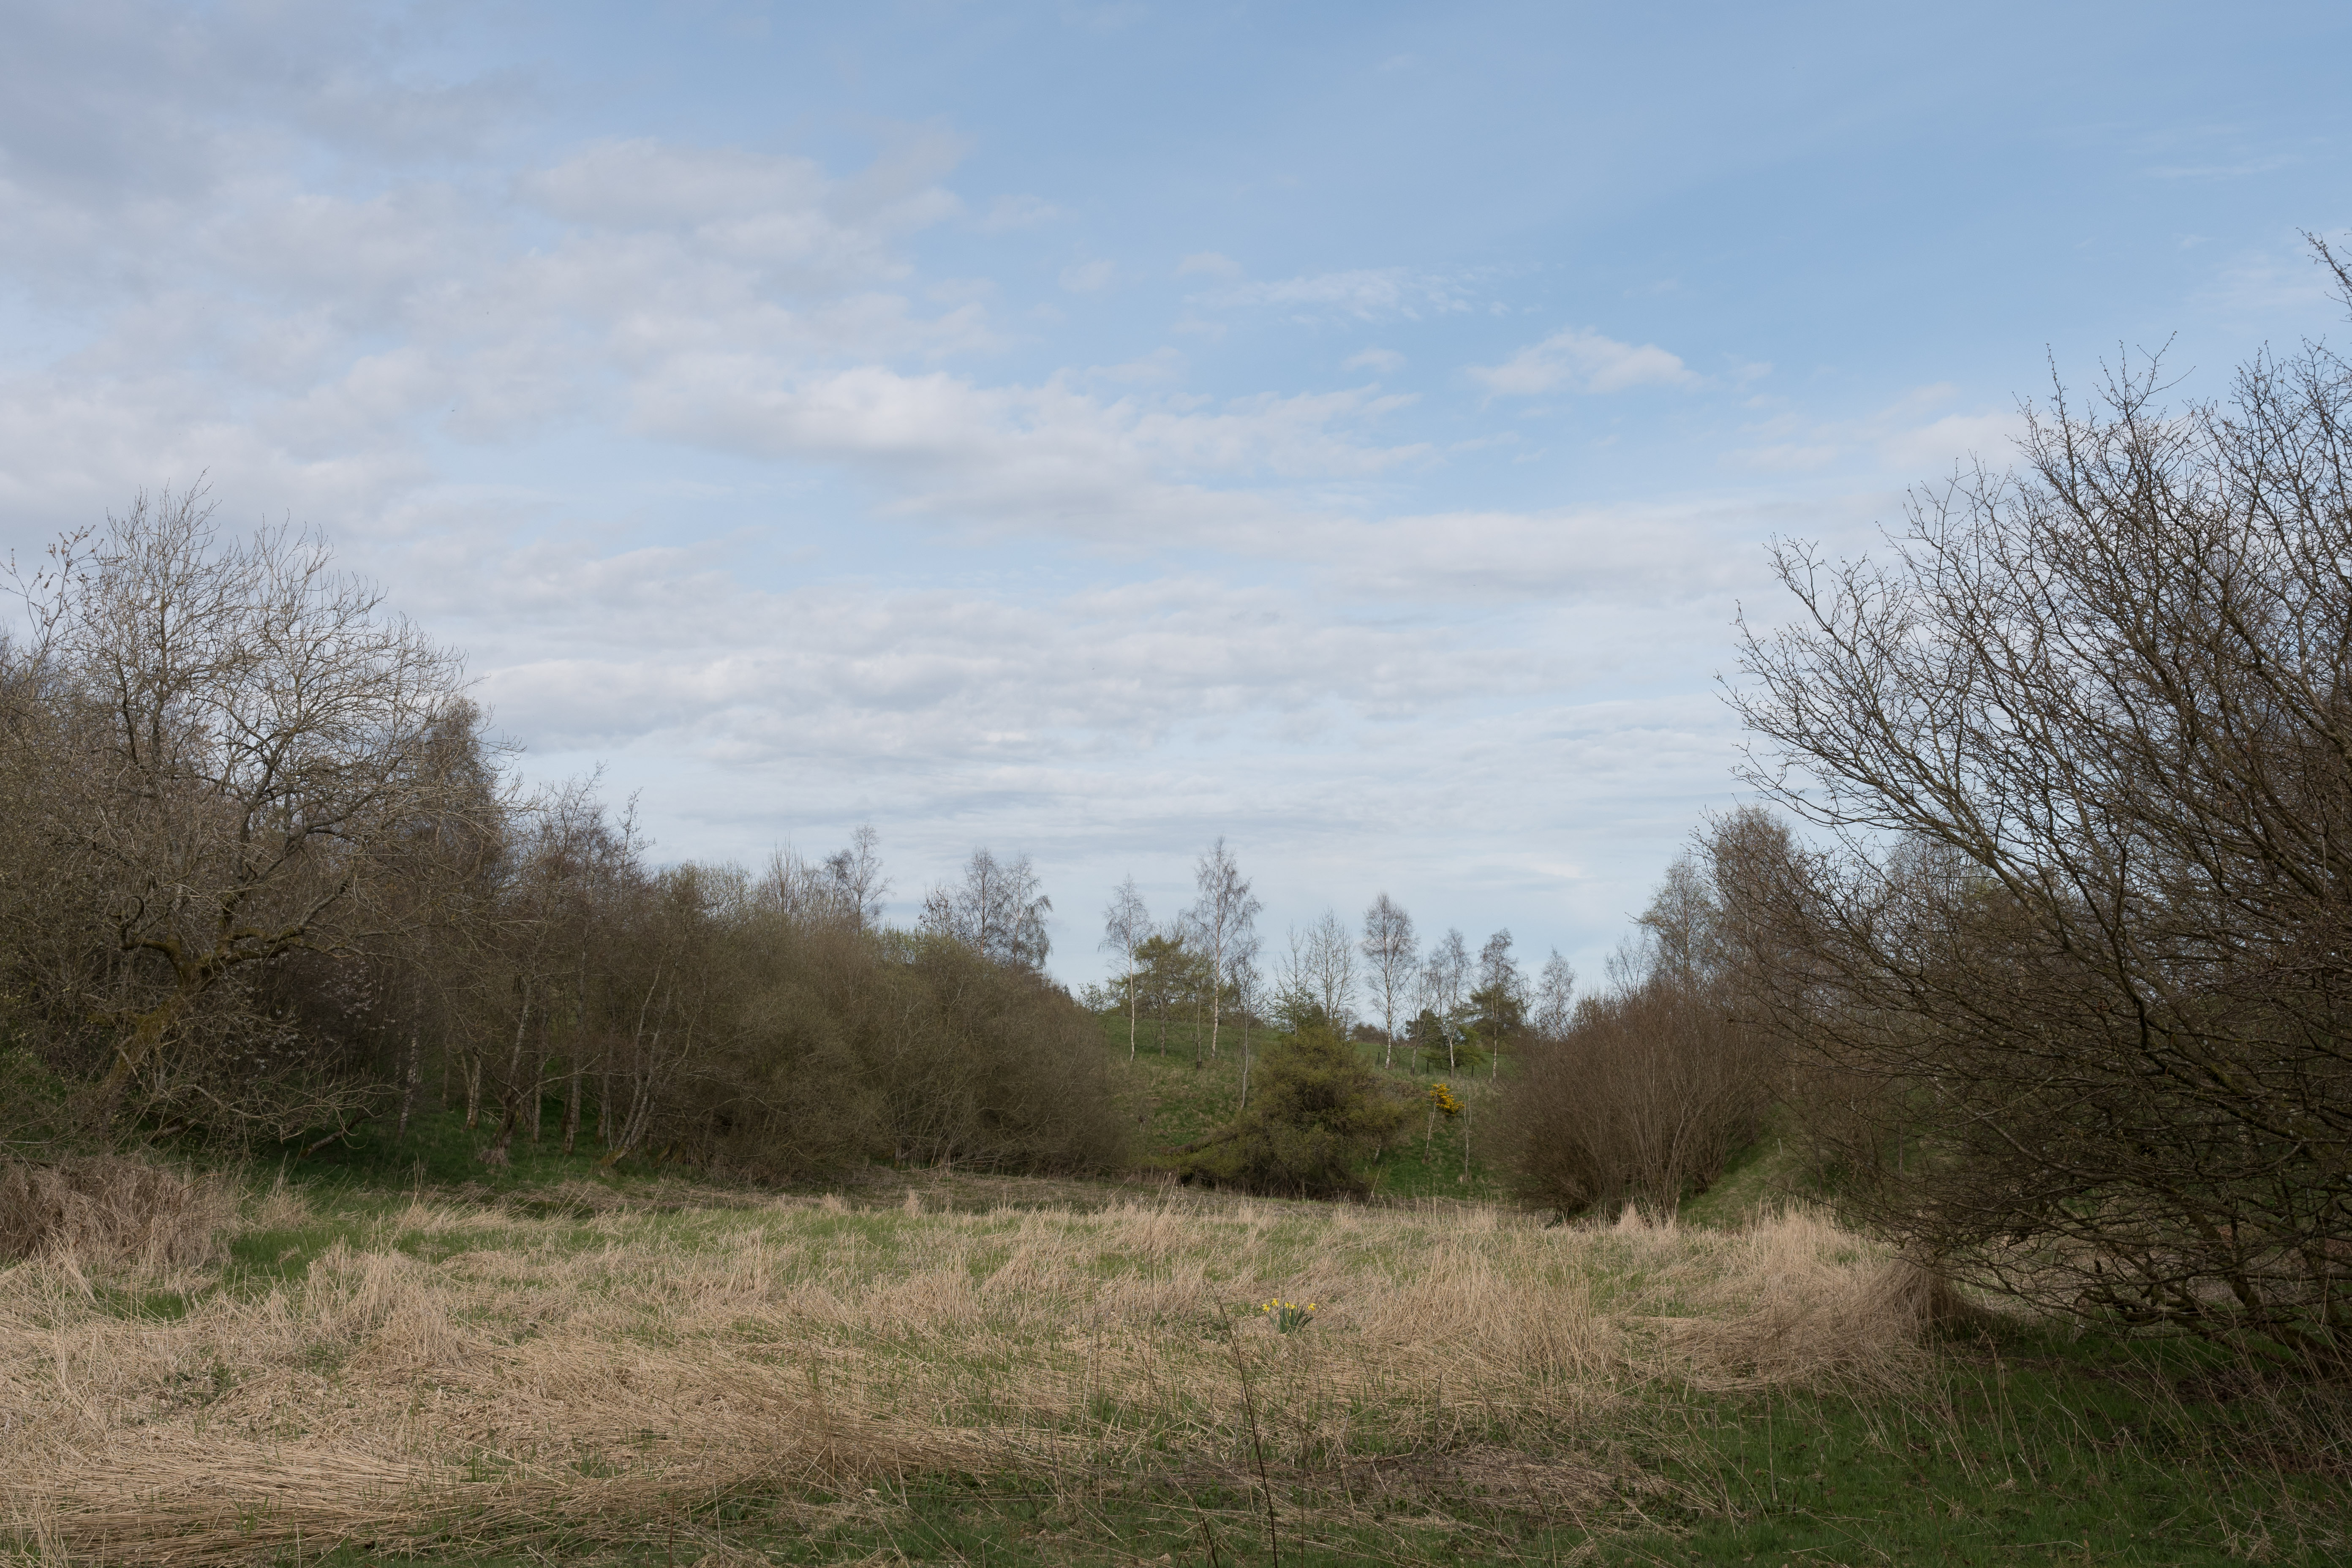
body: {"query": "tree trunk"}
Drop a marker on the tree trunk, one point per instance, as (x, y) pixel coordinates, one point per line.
(145, 1044)
(408, 1087)
(572, 1107)
(538, 1082)
(496, 1154)
(514, 1057)
(604, 1097)
(1216, 1004)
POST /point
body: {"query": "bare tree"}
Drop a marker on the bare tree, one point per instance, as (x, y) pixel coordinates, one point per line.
(1647, 1090)
(1331, 959)
(1394, 952)
(1248, 984)
(2080, 747)
(244, 737)
(1555, 996)
(567, 864)
(999, 910)
(854, 874)
(846, 885)
(1126, 926)
(1500, 999)
(1443, 977)
(1222, 919)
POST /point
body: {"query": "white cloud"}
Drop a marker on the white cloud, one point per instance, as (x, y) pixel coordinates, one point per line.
(1933, 449)
(1050, 458)
(763, 209)
(1785, 457)
(1582, 361)
(1366, 293)
(2264, 282)
(1208, 263)
(1638, 560)
(1089, 277)
(1009, 212)
(1387, 362)
(1094, 726)
(1907, 439)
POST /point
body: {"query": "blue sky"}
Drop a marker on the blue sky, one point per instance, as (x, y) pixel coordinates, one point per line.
(1088, 429)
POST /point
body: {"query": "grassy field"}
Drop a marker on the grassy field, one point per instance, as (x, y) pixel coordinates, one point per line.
(940, 1367)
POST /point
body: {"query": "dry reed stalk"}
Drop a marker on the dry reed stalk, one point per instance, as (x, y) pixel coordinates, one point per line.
(453, 1371)
(107, 1209)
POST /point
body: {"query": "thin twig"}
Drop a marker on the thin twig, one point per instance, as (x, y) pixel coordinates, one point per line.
(1257, 1449)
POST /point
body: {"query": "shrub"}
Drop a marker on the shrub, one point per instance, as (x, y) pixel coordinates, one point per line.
(1642, 1100)
(1317, 1116)
(1654, 1084)
(852, 1045)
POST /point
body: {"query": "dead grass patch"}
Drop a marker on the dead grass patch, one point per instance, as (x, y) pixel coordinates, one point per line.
(567, 1377)
(101, 1210)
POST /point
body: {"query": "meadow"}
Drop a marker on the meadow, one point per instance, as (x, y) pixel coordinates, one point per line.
(933, 1366)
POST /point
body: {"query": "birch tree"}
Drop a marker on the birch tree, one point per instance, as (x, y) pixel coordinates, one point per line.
(1223, 918)
(1555, 993)
(854, 875)
(999, 910)
(1443, 978)
(1126, 926)
(1393, 951)
(1330, 970)
(1248, 984)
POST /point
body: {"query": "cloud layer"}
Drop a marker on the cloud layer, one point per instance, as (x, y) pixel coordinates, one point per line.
(861, 443)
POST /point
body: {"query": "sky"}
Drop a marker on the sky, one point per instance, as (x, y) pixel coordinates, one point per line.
(1087, 430)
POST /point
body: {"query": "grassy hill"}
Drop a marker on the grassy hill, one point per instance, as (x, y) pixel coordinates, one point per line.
(1178, 1092)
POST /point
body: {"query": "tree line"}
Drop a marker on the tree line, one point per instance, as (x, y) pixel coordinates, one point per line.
(267, 876)
(1209, 960)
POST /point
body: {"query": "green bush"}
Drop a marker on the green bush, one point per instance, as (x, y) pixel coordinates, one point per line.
(1317, 1115)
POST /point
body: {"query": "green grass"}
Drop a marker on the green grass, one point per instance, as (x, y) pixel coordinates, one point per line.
(439, 1150)
(2025, 1451)
(2029, 1447)
(1765, 1175)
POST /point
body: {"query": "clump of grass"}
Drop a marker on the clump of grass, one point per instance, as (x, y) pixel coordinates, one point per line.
(103, 1209)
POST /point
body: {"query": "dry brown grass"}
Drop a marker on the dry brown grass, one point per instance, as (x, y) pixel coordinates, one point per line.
(445, 1372)
(106, 1210)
